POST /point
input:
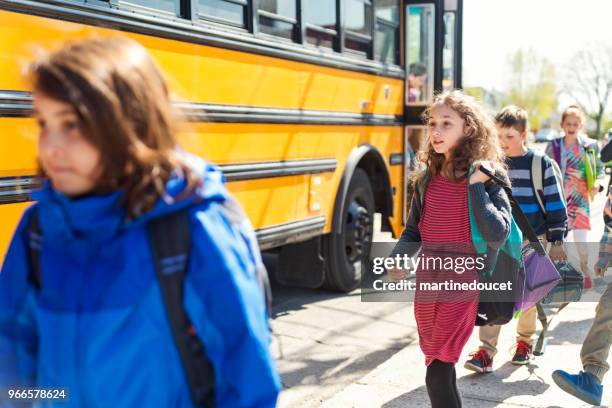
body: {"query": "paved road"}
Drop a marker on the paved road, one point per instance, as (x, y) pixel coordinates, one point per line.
(335, 351)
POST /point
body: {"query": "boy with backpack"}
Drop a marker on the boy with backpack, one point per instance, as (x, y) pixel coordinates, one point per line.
(537, 186)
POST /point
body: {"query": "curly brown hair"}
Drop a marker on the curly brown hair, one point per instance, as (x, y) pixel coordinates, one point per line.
(124, 108)
(480, 141)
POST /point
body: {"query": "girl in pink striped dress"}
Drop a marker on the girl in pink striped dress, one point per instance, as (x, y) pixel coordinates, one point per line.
(461, 136)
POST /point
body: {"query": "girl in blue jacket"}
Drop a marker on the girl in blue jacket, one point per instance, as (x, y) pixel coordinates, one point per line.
(95, 322)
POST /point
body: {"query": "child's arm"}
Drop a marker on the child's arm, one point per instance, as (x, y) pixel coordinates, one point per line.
(492, 212)
(556, 211)
(18, 335)
(408, 242)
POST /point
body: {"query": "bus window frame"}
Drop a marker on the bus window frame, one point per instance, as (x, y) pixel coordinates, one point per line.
(337, 41)
(364, 39)
(407, 166)
(219, 21)
(431, 44)
(453, 50)
(295, 36)
(379, 21)
(180, 8)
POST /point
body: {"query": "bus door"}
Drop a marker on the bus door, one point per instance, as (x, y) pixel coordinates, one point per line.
(431, 56)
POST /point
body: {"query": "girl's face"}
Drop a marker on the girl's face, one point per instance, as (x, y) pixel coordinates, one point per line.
(571, 125)
(68, 159)
(446, 128)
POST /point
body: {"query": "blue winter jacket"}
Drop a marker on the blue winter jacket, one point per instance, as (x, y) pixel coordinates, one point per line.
(98, 326)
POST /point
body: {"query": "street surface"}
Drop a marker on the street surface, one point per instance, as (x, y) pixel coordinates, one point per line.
(333, 351)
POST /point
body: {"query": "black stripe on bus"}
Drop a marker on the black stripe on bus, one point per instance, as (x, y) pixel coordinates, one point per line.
(291, 232)
(250, 171)
(19, 104)
(184, 30)
(200, 112)
(15, 104)
(19, 189)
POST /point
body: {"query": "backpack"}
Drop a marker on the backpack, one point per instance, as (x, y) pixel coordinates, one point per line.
(537, 179)
(170, 240)
(590, 159)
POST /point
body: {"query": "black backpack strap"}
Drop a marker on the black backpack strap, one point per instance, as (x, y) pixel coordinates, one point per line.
(170, 239)
(34, 248)
(517, 213)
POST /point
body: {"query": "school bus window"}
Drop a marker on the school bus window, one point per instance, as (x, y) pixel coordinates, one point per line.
(448, 52)
(278, 17)
(386, 39)
(420, 30)
(320, 20)
(170, 6)
(226, 11)
(357, 23)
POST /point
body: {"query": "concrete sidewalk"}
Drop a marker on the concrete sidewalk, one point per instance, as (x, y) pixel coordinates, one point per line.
(400, 381)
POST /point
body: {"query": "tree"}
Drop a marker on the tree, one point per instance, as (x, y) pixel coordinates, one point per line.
(532, 86)
(588, 80)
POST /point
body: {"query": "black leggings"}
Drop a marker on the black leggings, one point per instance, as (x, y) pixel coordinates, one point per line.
(441, 380)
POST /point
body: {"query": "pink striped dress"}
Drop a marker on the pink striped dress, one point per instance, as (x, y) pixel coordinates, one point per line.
(445, 319)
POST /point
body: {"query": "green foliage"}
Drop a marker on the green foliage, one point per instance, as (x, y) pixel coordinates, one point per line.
(532, 86)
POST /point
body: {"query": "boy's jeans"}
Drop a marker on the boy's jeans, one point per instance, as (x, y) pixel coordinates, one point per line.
(596, 346)
(525, 331)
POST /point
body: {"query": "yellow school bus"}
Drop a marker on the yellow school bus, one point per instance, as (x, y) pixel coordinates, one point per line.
(311, 107)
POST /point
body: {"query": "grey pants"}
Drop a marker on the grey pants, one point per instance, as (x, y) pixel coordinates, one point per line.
(596, 346)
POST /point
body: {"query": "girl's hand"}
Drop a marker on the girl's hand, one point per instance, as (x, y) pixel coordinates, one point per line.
(397, 275)
(600, 271)
(478, 176)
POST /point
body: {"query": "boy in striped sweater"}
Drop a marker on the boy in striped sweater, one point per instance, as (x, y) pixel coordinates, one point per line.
(547, 216)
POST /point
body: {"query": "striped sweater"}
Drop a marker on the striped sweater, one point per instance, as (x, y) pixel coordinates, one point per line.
(554, 223)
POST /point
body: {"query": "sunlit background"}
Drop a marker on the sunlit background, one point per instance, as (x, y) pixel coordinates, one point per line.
(542, 54)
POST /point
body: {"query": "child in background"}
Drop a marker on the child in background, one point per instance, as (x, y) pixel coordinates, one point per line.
(550, 223)
(578, 159)
(97, 325)
(461, 136)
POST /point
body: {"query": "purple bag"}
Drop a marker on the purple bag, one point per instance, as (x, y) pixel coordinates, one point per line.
(540, 276)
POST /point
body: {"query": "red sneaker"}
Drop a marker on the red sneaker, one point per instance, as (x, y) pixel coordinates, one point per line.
(523, 353)
(588, 282)
(480, 362)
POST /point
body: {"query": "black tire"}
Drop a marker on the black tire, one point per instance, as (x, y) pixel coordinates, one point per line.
(345, 251)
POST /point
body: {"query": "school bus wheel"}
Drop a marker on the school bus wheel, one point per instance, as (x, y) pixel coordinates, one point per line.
(346, 248)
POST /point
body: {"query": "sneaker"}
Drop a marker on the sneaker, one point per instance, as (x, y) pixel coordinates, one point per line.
(480, 362)
(522, 355)
(583, 385)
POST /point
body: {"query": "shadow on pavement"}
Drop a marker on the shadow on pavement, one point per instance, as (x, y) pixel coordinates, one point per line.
(485, 391)
(317, 372)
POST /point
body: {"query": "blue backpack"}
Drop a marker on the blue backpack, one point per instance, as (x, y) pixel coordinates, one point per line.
(170, 240)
